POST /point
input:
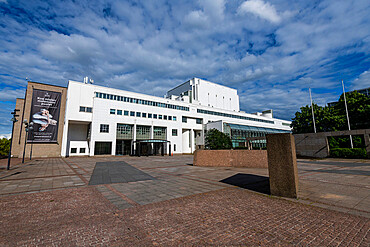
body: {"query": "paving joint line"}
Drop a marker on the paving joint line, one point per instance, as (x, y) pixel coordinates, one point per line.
(159, 167)
(55, 176)
(74, 170)
(79, 167)
(43, 190)
(326, 204)
(190, 177)
(329, 182)
(123, 196)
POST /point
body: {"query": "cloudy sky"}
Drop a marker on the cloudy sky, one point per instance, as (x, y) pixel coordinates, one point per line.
(271, 51)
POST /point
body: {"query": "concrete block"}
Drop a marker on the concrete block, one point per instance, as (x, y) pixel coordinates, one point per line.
(282, 165)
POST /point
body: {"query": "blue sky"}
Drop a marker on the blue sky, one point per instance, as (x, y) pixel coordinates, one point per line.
(271, 51)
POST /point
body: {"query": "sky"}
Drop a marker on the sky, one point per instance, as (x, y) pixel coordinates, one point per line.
(270, 51)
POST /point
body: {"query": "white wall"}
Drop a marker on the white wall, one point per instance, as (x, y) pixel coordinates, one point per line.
(77, 138)
(217, 96)
(80, 94)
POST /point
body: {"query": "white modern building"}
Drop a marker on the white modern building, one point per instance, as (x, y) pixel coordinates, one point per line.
(101, 120)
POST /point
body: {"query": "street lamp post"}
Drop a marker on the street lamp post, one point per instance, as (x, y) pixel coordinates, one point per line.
(345, 103)
(14, 120)
(25, 138)
(313, 114)
(31, 129)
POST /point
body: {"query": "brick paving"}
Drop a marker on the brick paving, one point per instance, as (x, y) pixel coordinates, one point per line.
(49, 201)
(82, 216)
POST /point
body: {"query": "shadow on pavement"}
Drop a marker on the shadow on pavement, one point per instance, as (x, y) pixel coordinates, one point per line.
(250, 182)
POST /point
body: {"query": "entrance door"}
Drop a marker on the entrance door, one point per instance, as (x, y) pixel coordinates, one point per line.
(123, 147)
(103, 148)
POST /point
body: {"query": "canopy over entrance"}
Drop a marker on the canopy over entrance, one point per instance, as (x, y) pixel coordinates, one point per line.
(151, 147)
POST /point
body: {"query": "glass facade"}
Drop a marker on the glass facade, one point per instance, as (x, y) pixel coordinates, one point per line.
(240, 133)
(233, 116)
(125, 131)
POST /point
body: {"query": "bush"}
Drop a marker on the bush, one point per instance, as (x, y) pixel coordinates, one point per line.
(215, 140)
(4, 147)
(354, 153)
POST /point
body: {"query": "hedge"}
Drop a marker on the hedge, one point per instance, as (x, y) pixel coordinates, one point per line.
(359, 153)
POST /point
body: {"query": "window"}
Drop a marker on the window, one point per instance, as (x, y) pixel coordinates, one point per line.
(169, 117)
(82, 109)
(82, 150)
(199, 121)
(124, 131)
(73, 150)
(138, 114)
(184, 119)
(174, 132)
(159, 133)
(88, 109)
(112, 111)
(174, 147)
(155, 116)
(174, 118)
(149, 115)
(125, 113)
(104, 128)
(132, 113)
(119, 112)
(142, 132)
(165, 117)
(234, 116)
(159, 116)
(140, 101)
(144, 114)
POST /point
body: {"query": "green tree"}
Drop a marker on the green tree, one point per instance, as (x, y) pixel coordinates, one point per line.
(215, 139)
(334, 118)
(325, 120)
(4, 147)
(358, 110)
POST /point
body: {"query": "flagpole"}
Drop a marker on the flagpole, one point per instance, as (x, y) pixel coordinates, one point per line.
(313, 115)
(345, 103)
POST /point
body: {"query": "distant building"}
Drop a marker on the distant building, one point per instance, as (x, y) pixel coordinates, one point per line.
(365, 91)
(86, 119)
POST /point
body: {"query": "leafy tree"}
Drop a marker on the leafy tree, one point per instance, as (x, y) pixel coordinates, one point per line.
(358, 110)
(4, 147)
(334, 118)
(215, 139)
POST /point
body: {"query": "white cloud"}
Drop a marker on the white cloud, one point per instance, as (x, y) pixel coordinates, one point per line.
(196, 18)
(363, 81)
(10, 94)
(7, 136)
(261, 9)
(214, 8)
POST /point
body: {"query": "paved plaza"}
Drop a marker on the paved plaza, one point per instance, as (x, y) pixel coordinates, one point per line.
(167, 201)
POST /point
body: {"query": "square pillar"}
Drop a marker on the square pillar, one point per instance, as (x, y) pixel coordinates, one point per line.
(282, 165)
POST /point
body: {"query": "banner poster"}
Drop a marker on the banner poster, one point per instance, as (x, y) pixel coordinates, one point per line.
(45, 111)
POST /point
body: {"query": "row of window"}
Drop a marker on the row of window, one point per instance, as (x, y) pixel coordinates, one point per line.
(140, 101)
(85, 109)
(141, 131)
(233, 116)
(142, 114)
(197, 120)
(74, 150)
